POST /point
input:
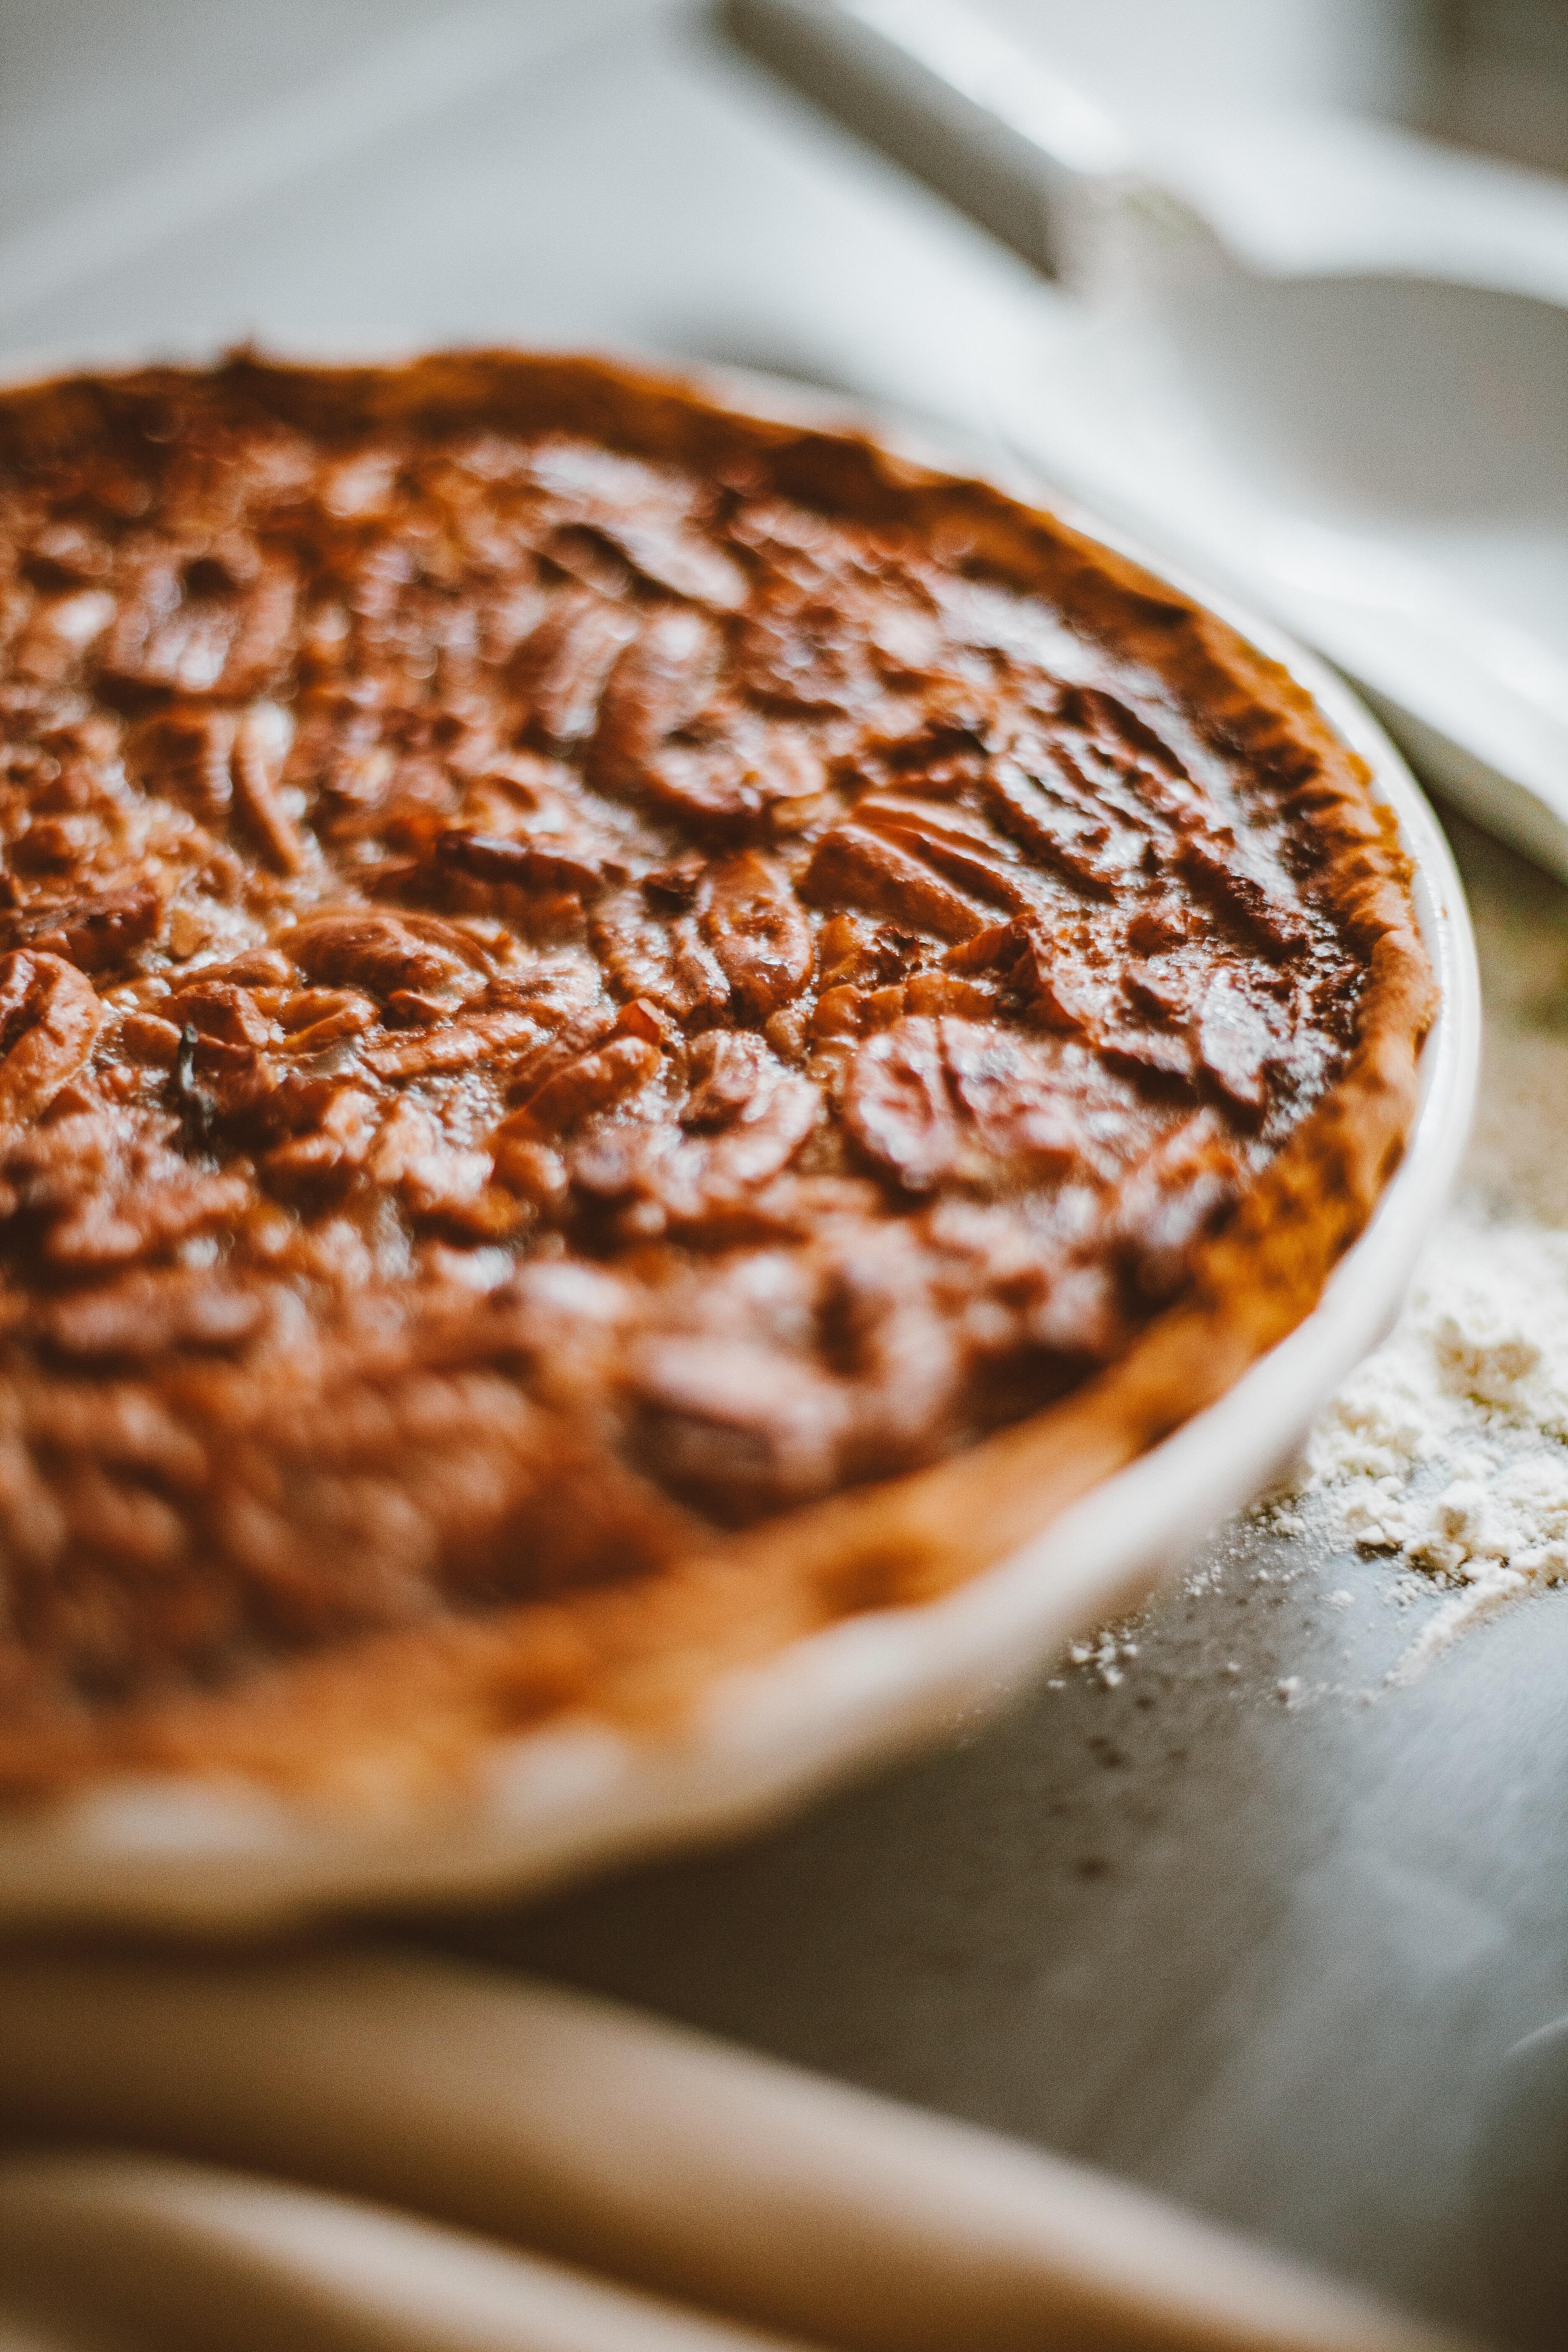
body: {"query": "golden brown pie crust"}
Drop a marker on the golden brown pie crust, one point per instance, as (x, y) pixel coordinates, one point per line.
(506, 823)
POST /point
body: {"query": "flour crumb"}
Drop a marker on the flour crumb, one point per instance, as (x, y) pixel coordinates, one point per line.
(1104, 1654)
(1448, 1447)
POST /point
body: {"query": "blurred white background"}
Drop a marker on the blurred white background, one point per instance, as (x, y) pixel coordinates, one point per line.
(89, 88)
(1368, 54)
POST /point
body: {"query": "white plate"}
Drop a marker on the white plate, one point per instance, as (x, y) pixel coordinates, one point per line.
(210, 1855)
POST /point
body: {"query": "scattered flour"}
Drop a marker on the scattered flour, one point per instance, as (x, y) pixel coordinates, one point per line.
(1449, 1447)
(1104, 1653)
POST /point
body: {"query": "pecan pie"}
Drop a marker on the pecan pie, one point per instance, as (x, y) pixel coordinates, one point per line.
(626, 1028)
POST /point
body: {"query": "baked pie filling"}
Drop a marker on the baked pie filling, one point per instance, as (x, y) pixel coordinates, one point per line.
(581, 972)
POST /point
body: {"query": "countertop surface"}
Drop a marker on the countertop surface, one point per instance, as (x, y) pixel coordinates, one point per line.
(1268, 1953)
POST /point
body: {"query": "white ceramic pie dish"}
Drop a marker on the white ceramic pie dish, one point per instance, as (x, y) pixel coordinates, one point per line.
(219, 1855)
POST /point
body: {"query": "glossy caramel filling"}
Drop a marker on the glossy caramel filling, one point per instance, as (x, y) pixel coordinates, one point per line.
(552, 1002)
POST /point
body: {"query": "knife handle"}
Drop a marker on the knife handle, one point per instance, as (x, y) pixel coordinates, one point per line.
(1009, 142)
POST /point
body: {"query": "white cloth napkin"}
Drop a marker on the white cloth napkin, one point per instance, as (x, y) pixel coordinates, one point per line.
(720, 2192)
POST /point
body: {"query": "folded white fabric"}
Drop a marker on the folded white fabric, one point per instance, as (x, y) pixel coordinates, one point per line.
(631, 2148)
